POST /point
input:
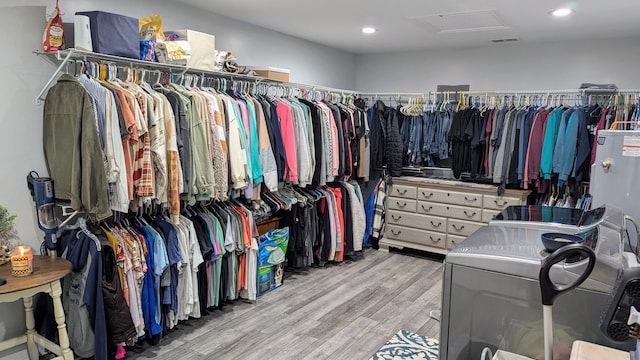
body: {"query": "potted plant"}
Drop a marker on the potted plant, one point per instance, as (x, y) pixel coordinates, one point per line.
(7, 233)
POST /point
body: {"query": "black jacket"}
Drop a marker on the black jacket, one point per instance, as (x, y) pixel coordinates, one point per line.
(394, 143)
(378, 138)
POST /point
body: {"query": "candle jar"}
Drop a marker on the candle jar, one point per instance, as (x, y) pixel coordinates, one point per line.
(21, 261)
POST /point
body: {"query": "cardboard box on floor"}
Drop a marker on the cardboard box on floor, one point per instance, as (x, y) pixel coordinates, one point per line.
(203, 48)
(271, 72)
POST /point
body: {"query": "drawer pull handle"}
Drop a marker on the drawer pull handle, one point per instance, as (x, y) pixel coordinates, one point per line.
(453, 243)
(456, 228)
(470, 216)
(396, 233)
(434, 240)
(436, 225)
(396, 218)
(401, 206)
(427, 209)
(469, 199)
(402, 192)
(427, 196)
(500, 205)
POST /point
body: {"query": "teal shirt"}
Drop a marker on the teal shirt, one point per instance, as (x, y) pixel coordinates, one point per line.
(559, 150)
(569, 138)
(256, 167)
(549, 143)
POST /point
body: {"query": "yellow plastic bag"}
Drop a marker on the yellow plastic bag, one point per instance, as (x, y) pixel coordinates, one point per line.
(150, 34)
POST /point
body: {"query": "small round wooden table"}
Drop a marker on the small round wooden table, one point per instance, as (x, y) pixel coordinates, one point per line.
(47, 272)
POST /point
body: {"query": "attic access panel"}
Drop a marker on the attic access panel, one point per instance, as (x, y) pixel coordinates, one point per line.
(471, 21)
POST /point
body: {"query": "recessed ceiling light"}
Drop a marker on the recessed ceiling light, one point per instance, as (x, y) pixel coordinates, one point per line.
(368, 30)
(561, 12)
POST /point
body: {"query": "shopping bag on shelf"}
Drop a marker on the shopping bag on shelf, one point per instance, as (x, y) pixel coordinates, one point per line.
(53, 37)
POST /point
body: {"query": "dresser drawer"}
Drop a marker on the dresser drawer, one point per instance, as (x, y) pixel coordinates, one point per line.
(500, 202)
(453, 241)
(432, 208)
(432, 195)
(457, 212)
(450, 197)
(402, 204)
(462, 228)
(422, 237)
(487, 215)
(403, 191)
(464, 213)
(423, 222)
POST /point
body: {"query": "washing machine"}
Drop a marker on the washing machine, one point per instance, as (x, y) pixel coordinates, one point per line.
(491, 293)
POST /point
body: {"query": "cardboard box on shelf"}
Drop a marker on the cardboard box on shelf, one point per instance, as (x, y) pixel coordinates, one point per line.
(271, 72)
(203, 48)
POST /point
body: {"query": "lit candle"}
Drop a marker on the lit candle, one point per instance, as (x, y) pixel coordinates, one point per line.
(21, 261)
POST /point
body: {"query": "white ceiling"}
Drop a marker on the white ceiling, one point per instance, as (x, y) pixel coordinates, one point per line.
(402, 27)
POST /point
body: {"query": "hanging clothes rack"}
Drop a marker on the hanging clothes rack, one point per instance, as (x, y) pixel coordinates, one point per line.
(65, 56)
(498, 92)
(575, 96)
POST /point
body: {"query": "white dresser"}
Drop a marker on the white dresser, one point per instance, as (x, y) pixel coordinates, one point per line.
(435, 215)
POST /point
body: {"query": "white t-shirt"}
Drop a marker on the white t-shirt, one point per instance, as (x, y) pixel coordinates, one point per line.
(195, 257)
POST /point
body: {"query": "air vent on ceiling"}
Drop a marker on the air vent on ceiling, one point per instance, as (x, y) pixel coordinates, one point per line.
(462, 22)
(498, 41)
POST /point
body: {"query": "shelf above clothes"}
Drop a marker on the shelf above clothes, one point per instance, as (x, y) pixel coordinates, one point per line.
(63, 57)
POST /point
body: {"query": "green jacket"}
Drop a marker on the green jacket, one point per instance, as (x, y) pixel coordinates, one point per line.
(72, 149)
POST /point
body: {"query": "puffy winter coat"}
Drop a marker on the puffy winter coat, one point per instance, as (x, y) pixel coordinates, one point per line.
(378, 138)
(394, 145)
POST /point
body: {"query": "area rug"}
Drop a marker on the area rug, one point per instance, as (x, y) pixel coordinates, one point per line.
(410, 346)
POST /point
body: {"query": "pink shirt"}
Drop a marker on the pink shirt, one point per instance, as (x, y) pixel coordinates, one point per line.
(289, 142)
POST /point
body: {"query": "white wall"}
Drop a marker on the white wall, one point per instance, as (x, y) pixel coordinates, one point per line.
(504, 67)
(22, 75)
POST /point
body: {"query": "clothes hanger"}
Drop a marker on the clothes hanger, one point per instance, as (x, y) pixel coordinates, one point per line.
(82, 225)
(460, 104)
(404, 109)
(75, 68)
(416, 109)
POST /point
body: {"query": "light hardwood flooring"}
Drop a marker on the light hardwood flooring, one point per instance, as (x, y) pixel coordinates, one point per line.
(345, 311)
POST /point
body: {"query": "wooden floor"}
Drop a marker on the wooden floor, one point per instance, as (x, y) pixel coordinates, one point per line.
(345, 311)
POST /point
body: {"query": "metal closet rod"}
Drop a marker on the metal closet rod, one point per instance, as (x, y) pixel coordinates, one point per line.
(495, 92)
(64, 56)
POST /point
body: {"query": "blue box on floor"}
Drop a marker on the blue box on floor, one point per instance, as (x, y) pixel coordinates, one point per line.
(271, 256)
(269, 278)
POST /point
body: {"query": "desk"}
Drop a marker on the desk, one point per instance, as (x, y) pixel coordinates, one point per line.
(47, 272)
